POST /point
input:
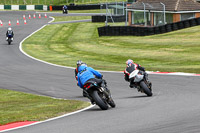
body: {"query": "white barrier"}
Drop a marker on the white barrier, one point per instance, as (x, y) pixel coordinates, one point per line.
(45, 7)
(14, 7)
(1, 7)
(30, 7)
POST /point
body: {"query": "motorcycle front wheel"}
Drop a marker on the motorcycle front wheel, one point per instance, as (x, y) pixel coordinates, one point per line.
(112, 103)
(99, 101)
(146, 89)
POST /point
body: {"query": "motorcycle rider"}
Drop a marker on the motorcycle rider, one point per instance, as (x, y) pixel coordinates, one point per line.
(78, 63)
(86, 74)
(130, 67)
(64, 8)
(9, 33)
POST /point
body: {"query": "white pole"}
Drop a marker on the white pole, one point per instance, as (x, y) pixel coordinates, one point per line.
(106, 14)
(126, 14)
(144, 15)
(163, 12)
(123, 8)
(116, 7)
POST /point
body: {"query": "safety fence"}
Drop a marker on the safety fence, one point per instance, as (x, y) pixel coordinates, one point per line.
(146, 31)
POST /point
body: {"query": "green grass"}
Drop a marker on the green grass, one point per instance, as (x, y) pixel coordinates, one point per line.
(52, 2)
(18, 106)
(66, 43)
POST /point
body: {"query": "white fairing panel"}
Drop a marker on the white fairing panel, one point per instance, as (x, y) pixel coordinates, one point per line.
(133, 74)
(138, 78)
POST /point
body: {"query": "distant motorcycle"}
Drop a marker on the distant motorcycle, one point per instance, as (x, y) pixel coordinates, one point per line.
(99, 94)
(139, 80)
(9, 39)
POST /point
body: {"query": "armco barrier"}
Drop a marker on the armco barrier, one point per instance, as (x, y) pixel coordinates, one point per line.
(146, 31)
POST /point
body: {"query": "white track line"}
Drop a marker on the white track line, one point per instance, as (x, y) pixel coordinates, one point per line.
(68, 114)
(50, 119)
(20, 47)
(149, 72)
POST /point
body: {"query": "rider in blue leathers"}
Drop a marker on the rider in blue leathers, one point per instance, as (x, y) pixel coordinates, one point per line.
(86, 73)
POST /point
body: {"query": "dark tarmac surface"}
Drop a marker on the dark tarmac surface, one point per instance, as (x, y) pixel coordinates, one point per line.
(174, 107)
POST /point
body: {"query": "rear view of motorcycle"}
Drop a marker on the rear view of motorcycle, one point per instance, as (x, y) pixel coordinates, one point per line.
(65, 11)
(9, 39)
(99, 94)
(139, 80)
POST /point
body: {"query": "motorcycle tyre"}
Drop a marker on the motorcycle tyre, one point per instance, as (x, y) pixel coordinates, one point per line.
(9, 41)
(146, 89)
(98, 100)
(112, 103)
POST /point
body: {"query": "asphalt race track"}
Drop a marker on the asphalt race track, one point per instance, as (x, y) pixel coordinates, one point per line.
(174, 107)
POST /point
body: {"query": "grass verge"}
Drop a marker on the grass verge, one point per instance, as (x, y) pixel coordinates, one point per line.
(18, 106)
(63, 44)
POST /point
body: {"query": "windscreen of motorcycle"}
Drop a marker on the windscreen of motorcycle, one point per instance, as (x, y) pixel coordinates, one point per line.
(133, 74)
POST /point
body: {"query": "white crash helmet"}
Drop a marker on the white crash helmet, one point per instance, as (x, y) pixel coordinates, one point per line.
(9, 28)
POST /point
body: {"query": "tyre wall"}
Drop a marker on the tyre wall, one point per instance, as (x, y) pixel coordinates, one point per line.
(77, 7)
(146, 31)
(102, 18)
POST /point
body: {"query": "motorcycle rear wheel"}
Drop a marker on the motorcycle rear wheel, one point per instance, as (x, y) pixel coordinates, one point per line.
(146, 89)
(99, 101)
(9, 41)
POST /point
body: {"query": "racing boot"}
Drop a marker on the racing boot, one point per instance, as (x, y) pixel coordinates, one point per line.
(92, 101)
(150, 85)
(84, 94)
(146, 76)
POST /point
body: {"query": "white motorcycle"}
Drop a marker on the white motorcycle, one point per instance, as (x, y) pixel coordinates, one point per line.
(139, 81)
